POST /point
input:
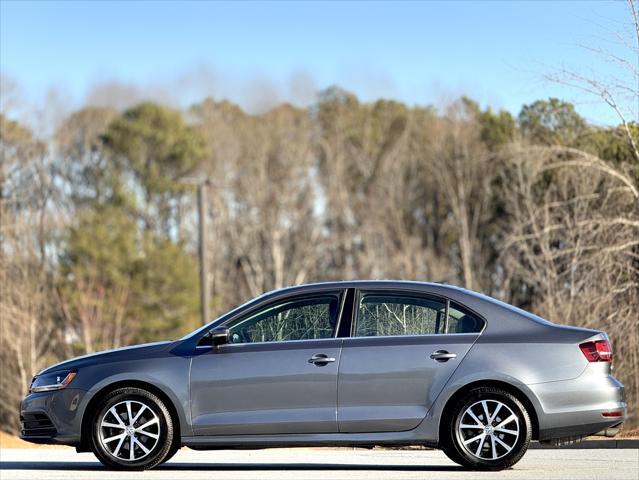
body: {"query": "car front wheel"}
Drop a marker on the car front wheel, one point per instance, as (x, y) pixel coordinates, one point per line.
(489, 429)
(132, 430)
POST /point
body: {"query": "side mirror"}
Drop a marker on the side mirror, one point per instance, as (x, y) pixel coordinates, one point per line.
(219, 336)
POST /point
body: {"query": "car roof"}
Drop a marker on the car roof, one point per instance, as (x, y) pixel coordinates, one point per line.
(388, 283)
(453, 292)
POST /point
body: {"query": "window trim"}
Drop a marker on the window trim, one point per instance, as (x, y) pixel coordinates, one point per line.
(471, 311)
(446, 316)
(415, 293)
(339, 292)
(381, 292)
(347, 313)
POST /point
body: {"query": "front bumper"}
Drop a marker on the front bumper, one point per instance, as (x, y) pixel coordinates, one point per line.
(52, 417)
(575, 408)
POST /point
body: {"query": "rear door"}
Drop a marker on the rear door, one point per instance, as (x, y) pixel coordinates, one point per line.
(403, 348)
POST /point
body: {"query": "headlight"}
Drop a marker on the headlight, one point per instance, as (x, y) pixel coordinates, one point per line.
(52, 381)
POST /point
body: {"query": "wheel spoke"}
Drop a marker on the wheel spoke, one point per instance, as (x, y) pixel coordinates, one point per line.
(135, 440)
(128, 412)
(150, 422)
(120, 443)
(474, 417)
(117, 417)
(506, 446)
(131, 448)
(474, 439)
(481, 444)
(505, 430)
(464, 425)
(495, 412)
(115, 437)
(486, 414)
(112, 425)
(147, 434)
(492, 441)
(507, 421)
(137, 415)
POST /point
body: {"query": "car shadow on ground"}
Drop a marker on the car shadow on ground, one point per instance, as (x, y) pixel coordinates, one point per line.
(86, 466)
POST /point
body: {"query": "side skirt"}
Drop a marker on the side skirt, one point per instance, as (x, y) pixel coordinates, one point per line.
(202, 442)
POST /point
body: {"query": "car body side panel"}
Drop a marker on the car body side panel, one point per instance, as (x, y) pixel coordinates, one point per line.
(168, 373)
(265, 388)
(389, 383)
(549, 369)
(430, 426)
(569, 404)
(529, 363)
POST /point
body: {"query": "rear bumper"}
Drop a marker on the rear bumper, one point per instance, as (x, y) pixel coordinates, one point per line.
(575, 431)
(574, 408)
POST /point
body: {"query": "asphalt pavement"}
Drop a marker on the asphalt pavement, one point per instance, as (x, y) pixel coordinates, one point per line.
(324, 464)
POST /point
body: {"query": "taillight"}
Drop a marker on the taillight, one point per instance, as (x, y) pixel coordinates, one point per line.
(612, 414)
(597, 351)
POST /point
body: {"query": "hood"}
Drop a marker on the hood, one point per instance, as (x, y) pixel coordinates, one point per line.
(124, 353)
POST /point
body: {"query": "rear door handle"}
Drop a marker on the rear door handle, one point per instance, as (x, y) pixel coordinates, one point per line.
(320, 359)
(442, 355)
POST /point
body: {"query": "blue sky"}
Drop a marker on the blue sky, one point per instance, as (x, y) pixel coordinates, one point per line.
(259, 53)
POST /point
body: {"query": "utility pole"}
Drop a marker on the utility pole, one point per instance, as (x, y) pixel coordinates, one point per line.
(202, 185)
(204, 265)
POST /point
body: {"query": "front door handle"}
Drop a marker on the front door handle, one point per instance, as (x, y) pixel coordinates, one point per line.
(320, 359)
(442, 355)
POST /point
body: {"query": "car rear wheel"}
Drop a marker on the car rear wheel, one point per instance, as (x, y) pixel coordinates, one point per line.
(489, 429)
(132, 430)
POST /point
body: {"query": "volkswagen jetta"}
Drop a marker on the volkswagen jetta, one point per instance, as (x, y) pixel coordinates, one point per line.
(344, 363)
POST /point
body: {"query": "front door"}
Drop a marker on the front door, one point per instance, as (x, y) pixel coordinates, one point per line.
(398, 359)
(277, 375)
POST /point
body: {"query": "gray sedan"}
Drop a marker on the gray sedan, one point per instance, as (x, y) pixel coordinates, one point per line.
(343, 363)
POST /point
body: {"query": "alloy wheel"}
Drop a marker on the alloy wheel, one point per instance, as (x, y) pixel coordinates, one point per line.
(488, 429)
(129, 430)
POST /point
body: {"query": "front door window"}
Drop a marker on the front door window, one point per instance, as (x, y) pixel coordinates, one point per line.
(308, 318)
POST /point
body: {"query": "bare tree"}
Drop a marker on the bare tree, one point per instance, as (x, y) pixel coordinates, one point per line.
(603, 231)
(621, 90)
(94, 312)
(264, 231)
(27, 337)
(462, 166)
(572, 247)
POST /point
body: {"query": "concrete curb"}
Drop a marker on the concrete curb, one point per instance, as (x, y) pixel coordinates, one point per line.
(588, 444)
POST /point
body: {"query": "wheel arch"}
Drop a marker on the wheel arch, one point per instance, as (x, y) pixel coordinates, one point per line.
(509, 387)
(85, 432)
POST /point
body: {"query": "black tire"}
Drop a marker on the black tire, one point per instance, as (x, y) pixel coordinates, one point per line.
(450, 452)
(158, 447)
(487, 453)
(171, 453)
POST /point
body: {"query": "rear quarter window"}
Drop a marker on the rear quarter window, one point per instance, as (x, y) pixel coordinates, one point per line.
(462, 320)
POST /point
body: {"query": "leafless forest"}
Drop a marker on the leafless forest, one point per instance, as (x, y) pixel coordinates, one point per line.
(98, 234)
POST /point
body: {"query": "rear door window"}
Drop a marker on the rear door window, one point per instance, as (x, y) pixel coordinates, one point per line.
(398, 314)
